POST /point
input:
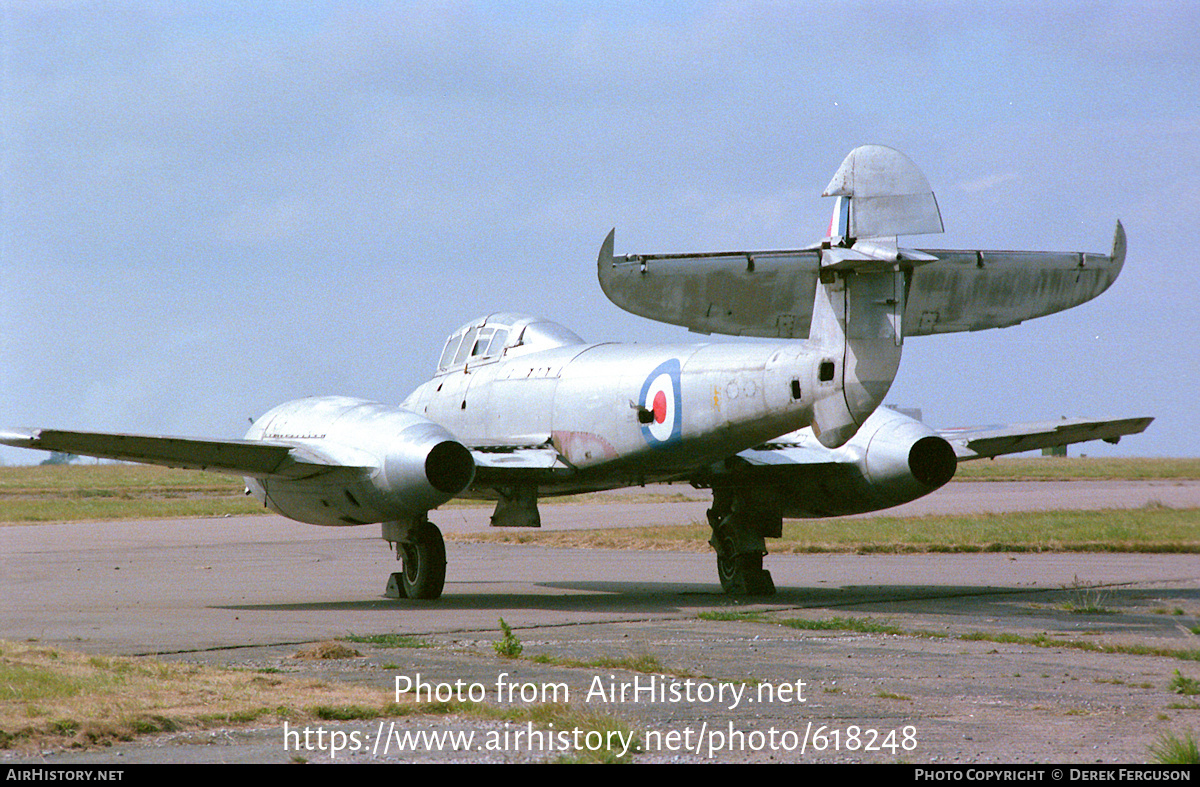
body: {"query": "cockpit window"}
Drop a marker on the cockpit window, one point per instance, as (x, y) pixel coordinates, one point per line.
(498, 340)
(481, 342)
(451, 348)
(464, 349)
(487, 339)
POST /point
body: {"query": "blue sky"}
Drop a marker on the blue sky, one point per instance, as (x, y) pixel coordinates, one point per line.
(211, 208)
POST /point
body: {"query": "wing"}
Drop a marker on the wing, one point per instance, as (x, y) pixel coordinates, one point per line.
(987, 442)
(521, 461)
(771, 293)
(891, 460)
(745, 293)
(254, 458)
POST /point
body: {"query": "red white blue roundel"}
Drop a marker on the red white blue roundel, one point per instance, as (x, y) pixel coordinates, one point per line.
(660, 396)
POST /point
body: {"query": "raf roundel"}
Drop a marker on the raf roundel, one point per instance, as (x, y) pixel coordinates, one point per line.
(660, 396)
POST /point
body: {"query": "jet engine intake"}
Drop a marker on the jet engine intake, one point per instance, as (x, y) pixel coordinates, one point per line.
(378, 462)
(932, 462)
(892, 460)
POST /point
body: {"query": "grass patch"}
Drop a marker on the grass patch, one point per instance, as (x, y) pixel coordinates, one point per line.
(754, 617)
(1172, 749)
(1150, 529)
(508, 646)
(1046, 641)
(1048, 468)
(387, 640)
(871, 626)
(326, 650)
(860, 625)
(1181, 684)
(1085, 599)
(606, 737)
(53, 699)
(81, 492)
(643, 662)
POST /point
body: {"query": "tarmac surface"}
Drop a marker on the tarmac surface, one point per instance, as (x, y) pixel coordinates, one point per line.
(968, 672)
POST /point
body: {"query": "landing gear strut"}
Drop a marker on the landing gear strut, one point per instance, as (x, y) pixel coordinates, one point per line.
(420, 546)
(741, 519)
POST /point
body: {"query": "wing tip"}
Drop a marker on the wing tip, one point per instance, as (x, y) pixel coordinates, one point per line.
(604, 261)
(1119, 244)
(19, 438)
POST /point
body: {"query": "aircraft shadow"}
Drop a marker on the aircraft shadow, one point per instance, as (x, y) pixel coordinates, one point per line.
(675, 598)
(1124, 610)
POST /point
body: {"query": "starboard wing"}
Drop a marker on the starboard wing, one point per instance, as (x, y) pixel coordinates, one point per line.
(986, 442)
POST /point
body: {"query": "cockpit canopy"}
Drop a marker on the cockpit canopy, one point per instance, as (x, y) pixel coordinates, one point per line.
(504, 334)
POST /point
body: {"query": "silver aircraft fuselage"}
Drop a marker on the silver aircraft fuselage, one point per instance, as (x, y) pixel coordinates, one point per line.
(621, 414)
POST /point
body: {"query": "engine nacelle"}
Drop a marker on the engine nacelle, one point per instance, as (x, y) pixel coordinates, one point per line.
(388, 463)
(890, 461)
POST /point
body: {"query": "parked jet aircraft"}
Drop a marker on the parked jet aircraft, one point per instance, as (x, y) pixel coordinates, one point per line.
(520, 406)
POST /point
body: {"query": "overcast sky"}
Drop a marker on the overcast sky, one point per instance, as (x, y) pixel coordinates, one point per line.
(210, 208)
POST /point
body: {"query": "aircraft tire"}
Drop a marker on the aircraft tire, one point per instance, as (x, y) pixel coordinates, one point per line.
(743, 575)
(424, 573)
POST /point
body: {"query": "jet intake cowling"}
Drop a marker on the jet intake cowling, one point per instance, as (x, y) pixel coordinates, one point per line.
(424, 467)
(905, 459)
(890, 461)
(372, 462)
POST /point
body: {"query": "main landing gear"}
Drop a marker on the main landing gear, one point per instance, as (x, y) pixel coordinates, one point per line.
(420, 546)
(741, 518)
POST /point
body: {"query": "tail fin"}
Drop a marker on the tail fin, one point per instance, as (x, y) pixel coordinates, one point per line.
(880, 193)
(861, 288)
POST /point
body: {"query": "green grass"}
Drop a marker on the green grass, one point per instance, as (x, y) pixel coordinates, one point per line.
(81, 492)
(1172, 749)
(1149, 529)
(1046, 468)
(387, 640)
(867, 625)
(1182, 684)
(642, 662)
(88, 491)
(860, 625)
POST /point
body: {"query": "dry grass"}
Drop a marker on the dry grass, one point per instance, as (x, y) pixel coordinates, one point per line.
(1149, 529)
(330, 649)
(50, 698)
(87, 491)
(81, 492)
(1052, 468)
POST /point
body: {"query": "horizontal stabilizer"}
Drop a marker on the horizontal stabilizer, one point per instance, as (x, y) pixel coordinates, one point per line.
(985, 442)
(258, 459)
(770, 293)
